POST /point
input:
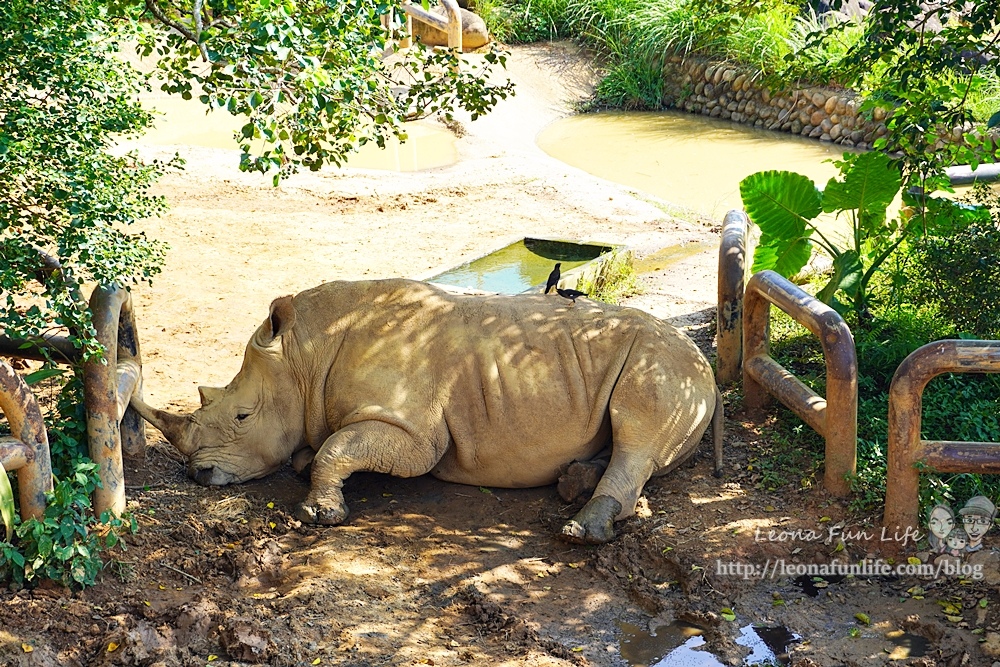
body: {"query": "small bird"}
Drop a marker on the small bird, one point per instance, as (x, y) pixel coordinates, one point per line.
(571, 294)
(553, 280)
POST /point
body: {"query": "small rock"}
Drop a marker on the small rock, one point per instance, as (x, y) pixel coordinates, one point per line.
(991, 647)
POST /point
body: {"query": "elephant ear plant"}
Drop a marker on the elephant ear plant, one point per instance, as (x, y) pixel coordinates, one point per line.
(785, 206)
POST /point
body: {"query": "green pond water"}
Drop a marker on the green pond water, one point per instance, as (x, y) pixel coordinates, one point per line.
(520, 266)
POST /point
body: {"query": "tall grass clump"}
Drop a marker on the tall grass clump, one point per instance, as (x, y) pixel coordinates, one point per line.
(818, 44)
(614, 281)
(524, 21)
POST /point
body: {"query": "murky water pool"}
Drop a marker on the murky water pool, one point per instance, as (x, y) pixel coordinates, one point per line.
(682, 645)
(520, 266)
(692, 161)
(184, 122)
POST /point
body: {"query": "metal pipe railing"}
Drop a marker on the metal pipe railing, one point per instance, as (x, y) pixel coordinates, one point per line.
(906, 448)
(451, 25)
(729, 314)
(834, 417)
(108, 386)
(26, 450)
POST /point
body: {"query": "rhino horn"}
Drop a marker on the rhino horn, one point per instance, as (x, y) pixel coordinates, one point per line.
(176, 428)
(210, 394)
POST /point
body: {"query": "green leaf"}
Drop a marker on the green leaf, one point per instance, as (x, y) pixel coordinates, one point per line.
(784, 257)
(6, 504)
(870, 182)
(779, 202)
(847, 274)
(42, 374)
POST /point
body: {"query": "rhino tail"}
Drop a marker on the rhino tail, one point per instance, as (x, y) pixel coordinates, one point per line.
(718, 430)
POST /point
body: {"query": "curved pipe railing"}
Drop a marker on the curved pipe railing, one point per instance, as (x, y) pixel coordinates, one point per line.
(729, 314)
(834, 417)
(906, 448)
(109, 383)
(451, 25)
(27, 449)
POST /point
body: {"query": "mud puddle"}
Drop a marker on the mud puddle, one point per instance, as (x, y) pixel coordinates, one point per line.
(681, 644)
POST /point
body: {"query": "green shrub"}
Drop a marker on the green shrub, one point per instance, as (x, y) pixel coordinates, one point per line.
(818, 44)
(523, 21)
(634, 85)
(959, 273)
(65, 544)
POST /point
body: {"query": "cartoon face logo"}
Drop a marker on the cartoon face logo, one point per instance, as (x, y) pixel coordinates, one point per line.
(940, 523)
(977, 518)
(957, 541)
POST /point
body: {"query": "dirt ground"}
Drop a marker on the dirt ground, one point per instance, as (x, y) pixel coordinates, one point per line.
(430, 573)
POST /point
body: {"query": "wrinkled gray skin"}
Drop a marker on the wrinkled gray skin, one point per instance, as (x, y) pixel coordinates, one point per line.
(400, 377)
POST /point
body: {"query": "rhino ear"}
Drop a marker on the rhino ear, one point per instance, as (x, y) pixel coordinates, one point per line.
(209, 394)
(281, 319)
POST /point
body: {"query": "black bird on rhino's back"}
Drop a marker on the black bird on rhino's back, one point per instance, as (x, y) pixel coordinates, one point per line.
(553, 280)
(571, 294)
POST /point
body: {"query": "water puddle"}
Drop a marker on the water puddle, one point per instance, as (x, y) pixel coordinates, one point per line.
(680, 645)
(906, 645)
(664, 257)
(520, 266)
(185, 123)
(812, 586)
(692, 161)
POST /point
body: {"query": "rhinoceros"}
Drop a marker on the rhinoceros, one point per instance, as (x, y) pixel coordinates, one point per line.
(401, 377)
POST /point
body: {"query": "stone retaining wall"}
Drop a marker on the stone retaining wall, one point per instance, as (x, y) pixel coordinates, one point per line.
(724, 91)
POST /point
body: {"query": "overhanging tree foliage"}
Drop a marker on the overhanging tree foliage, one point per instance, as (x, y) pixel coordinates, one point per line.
(314, 81)
(66, 199)
(918, 60)
(315, 78)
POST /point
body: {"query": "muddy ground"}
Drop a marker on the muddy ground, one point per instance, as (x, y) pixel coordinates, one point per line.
(430, 573)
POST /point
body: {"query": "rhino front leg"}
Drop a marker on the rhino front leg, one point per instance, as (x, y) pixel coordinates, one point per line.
(372, 446)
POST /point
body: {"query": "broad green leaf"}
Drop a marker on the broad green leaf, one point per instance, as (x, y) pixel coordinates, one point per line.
(6, 504)
(870, 182)
(784, 257)
(779, 202)
(847, 273)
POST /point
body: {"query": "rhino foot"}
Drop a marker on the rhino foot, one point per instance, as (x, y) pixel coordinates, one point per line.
(580, 477)
(595, 523)
(324, 516)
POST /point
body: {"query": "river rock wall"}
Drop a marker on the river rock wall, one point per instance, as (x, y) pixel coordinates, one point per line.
(720, 90)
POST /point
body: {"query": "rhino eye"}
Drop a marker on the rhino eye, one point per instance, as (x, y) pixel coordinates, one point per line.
(243, 415)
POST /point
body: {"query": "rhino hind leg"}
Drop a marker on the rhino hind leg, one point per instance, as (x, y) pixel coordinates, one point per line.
(595, 523)
(302, 461)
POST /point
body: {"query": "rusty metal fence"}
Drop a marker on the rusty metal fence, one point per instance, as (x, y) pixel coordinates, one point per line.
(729, 314)
(834, 417)
(742, 327)
(906, 448)
(109, 385)
(26, 449)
